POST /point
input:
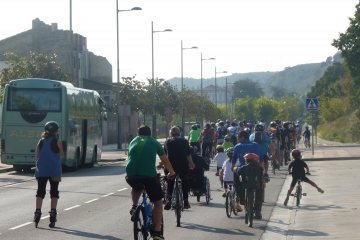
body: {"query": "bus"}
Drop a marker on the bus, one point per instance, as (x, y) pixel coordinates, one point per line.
(29, 103)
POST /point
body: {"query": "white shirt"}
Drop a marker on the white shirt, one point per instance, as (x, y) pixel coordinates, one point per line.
(220, 158)
(228, 175)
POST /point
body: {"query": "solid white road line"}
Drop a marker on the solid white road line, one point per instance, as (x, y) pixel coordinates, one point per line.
(108, 194)
(45, 217)
(72, 207)
(21, 225)
(92, 200)
(122, 189)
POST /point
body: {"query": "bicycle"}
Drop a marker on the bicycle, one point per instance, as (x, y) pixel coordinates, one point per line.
(230, 200)
(143, 219)
(307, 143)
(163, 183)
(287, 155)
(274, 164)
(203, 191)
(250, 185)
(298, 191)
(207, 155)
(177, 203)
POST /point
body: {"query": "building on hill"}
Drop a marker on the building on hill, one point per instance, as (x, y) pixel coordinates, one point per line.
(88, 70)
(220, 92)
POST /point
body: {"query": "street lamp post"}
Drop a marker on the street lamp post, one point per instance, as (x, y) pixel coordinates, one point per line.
(201, 82)
(154, 133)
(118, 72)
(226, 98)
(182, 87)
(216, 85)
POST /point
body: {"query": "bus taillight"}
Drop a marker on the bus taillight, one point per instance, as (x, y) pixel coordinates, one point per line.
(64, 145)
(2, 145)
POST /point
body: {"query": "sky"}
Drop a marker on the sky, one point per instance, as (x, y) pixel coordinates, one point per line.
(242, 35)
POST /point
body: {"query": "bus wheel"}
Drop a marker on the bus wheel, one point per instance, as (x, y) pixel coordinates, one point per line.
(17, 168)
(27, 168)
(94, 158)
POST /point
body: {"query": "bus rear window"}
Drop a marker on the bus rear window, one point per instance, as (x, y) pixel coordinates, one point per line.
(34, 99)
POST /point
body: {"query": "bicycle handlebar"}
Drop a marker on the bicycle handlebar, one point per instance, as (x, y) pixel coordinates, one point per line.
(305, 173)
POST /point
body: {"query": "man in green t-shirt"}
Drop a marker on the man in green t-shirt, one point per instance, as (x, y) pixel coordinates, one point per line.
(193, 137)
(141, 172)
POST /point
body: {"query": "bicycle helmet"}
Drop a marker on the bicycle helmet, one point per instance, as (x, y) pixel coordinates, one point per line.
(259, 127)
(51, 127)
(227, 121)
(212, 124)
(227, 138)
(252, 156)
(286, 125)
(295, 153)
(221, 123)
(218, 120)
(230, 152)
(194, 127)
(208, 126)
(198, 126)
(273, 124)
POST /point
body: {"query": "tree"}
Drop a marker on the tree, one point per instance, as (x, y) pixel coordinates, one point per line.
(36, 66)
(278, 92)
(349, 45)
(247, 87)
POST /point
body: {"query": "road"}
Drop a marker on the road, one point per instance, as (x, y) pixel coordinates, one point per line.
(94, 204)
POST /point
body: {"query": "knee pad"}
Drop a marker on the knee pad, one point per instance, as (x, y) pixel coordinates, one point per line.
(40, 193)
(54, 194)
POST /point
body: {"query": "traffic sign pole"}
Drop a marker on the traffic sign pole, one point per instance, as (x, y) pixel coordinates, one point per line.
(312, 133)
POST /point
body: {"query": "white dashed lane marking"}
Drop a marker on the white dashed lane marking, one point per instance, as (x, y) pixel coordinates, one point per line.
(72, 207)
(92, 200)
(108, 194)
(122, 189)
(13, 228)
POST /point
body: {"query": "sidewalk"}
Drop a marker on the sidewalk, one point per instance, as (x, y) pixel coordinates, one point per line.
(332, 215)
(109, 153)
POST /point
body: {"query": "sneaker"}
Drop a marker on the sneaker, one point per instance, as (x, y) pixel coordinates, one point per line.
(320, 190)
(266, 177)
(238, 208)
(286, 201)
(216, 174)
(258, 215)
(167, 205)
(186, 204)
(158, 236)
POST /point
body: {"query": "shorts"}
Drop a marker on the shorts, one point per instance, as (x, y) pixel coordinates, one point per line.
(266, 158)
(294, 181)
(151, 184)
(227, 183)
(282, 146)
(218, 168)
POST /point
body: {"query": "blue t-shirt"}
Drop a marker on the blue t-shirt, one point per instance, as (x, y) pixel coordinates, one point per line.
(48, 164)
(264, 144)
(246, 147)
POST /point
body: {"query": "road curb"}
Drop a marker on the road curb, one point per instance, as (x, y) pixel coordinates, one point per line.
(6, 170)
(330, 159)
(113, 160)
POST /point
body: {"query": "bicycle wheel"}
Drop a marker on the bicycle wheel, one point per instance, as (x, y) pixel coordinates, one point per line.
(298, 195)
(207, 194)
(263, 193)
(177, 206)
(228, 204)
(274, 166)
(233, 202)
(140, 231)
(251, 207)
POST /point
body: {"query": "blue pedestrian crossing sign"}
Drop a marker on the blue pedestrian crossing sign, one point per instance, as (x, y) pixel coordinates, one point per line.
(312, 104)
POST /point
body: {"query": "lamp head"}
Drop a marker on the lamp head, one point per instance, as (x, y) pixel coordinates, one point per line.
(167, 30)
(194, 47)
(136, 8)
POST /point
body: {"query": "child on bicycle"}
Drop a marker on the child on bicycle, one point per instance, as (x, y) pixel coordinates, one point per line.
(297, 169)
(226, 173)
(220, 158)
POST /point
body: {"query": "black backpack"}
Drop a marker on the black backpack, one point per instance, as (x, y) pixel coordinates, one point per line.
(258, 138)
(251, 176)
(222, 131)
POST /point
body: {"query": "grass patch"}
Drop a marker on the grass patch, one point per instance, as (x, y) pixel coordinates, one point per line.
(344, 129)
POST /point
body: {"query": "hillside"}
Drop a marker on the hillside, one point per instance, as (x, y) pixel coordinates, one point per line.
(297, 79)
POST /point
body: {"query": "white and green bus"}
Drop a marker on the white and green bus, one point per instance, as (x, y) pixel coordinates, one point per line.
(29, 103)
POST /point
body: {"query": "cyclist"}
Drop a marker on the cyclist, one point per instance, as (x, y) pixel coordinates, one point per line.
(293, 134)
(240, 150)
(220, 158)
(252, 161)
(226, 173)
(265, 142)
(262, 122)
(141, 172)
(196, 175)
(233, 130)
(227, 125)
(284, 141)
(178, 152)
(296, 168)
(306, 134)
(221, 132)
(207, 136)
(227, 144)
(193, 137)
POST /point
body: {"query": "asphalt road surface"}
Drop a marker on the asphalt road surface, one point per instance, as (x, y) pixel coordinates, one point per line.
(94, 204)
